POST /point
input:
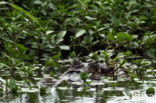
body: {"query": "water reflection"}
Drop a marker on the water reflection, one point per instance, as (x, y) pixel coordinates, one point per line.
(124, 92)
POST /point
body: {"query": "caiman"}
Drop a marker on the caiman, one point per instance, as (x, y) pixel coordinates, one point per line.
(73, 73)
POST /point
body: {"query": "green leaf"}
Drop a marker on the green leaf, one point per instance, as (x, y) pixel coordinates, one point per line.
(87, 40)
(2, 81)
(80, 33)
(151, 52)
(90, 18)
(56, 56)
(110, 37)
(52, 6)
(73, 54)
(105, 54)
(122, 38)
(84, 76)
(37, 2)
(21, 47)
(64, 47)
(2, 65)
(25, 12)
(3, 2)
(148, 40)
(60, 36)
(150, 90)
(49, 32)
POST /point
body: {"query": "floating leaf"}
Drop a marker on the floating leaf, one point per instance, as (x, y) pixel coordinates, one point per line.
(84, 76)
(150, 90)
(80, 33)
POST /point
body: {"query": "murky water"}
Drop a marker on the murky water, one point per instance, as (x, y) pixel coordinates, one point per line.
(99, 92)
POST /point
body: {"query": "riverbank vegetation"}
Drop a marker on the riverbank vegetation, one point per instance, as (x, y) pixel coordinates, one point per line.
(120, 33)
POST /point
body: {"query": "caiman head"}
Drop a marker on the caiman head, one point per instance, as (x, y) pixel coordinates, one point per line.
(90, 67)
(78, 66)
(73, 73)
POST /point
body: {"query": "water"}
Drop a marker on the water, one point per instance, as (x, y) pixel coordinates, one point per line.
(99, 92)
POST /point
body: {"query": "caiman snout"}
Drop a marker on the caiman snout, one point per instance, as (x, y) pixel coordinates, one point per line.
(77, 66)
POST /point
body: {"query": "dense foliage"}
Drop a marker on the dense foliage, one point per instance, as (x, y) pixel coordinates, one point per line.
(43, 31)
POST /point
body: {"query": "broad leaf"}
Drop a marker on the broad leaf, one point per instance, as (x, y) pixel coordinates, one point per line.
(3, 2)
(64, 47)
(25, 12)
(122, 38)
(2, 65)
(80, 33)
(56, 56)
(49, 32)
(60, 36)
(151, 52)
(90, 18)
(21, 47)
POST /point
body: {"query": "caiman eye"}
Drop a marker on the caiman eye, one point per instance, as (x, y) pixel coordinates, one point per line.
(76, 62)
(79, 66)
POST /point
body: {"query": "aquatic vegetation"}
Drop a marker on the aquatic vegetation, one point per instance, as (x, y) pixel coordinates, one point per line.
(43, 90)
(40, 39)
(84, 76)
(150, 91)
